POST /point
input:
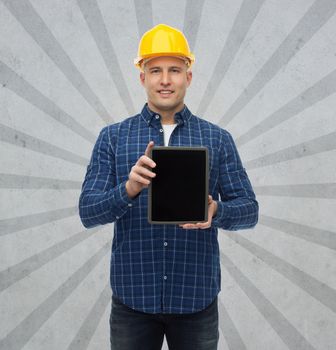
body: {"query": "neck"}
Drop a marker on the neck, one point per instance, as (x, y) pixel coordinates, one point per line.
(167, 117)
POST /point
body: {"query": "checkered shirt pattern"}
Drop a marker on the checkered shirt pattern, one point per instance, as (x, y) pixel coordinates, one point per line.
(164, 268)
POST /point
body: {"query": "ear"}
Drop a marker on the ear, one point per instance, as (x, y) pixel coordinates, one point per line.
(142, 78)
(189, 77)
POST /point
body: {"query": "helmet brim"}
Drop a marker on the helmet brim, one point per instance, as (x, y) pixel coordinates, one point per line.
(190, 59)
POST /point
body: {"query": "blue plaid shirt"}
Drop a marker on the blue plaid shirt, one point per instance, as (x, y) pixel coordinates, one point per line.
(164, 268)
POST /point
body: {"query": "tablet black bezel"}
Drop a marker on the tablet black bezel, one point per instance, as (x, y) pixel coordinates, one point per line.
(206, 165)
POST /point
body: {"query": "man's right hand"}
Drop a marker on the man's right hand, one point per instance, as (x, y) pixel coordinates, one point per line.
(141, 174)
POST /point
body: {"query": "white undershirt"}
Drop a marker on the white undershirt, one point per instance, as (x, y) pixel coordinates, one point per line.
(167, 131)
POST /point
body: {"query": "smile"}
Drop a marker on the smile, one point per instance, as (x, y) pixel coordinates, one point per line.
(165, 92)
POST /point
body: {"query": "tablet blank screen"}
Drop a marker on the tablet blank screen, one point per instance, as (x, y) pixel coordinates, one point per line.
(179, 188)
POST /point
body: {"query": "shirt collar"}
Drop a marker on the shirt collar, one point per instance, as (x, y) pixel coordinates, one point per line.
(181, 117)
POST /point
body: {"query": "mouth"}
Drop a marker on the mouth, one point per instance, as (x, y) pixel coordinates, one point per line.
(165, 92)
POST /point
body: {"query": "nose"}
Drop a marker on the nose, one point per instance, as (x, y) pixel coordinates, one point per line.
(165, 80)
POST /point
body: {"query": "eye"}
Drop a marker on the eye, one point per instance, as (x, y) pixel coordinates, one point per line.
(155, 71)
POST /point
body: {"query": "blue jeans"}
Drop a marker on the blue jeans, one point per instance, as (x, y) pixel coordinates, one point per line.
(135, 330)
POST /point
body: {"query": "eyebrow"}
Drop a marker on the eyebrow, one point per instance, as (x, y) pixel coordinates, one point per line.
(170, 67)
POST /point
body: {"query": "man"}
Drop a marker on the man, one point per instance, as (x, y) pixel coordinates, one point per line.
(165, 278)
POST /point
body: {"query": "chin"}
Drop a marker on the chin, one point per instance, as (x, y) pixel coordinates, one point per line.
(167, 106)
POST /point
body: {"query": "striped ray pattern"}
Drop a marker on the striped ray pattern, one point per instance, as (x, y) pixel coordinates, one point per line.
(265, 70)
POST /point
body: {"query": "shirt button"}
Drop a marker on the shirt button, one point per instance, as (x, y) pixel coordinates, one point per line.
(157, 117)
(129, 204)
(164, 277)
(161, 130)
(117, 217)
(165, 244)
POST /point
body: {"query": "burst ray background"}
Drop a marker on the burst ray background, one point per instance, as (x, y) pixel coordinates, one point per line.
(265, 70)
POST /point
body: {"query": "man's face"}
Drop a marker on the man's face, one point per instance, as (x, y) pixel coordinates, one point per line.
(166, 80)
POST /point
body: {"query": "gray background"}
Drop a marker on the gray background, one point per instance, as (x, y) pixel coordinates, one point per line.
(265, 70)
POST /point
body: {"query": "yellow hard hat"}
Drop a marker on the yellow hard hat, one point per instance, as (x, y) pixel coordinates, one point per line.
(163, 40)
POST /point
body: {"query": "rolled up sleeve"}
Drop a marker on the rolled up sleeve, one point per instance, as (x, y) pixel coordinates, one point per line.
(102, 201)
(237, 208)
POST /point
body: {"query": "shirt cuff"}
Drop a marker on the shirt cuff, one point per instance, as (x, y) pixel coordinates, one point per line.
(222, 214)
(120, 200)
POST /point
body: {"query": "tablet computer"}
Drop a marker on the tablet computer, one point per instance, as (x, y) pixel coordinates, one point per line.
(179, 192)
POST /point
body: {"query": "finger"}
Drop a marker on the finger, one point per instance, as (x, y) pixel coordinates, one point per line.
(189, 226)
(185, 226)
(138, 178)
(146, 161)
(140, 170)
(203, 225)
(148, 148)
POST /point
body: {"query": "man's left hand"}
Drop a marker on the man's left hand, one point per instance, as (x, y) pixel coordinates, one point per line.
(212, 210)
